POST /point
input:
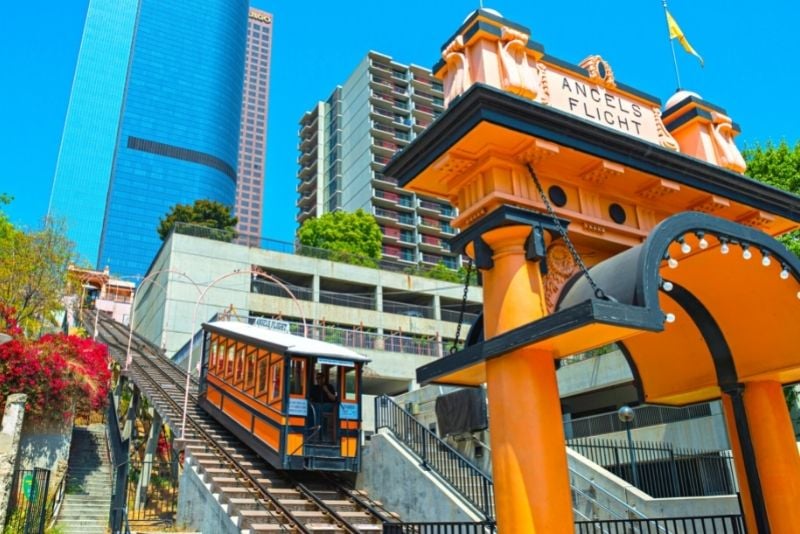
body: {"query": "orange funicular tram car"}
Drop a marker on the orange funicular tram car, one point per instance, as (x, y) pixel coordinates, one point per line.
(295, 401)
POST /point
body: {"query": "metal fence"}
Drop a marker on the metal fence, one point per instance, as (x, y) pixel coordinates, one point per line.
(28, 506)
(437, 456)
(439, 528)
(645, 416)
(662, 470)
(722, 524)
(361, 339)
(159, 502)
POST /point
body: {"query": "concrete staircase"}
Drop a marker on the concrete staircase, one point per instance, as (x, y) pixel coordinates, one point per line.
(87, 498)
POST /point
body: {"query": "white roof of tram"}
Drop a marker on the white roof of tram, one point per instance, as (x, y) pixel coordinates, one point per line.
(287, 343)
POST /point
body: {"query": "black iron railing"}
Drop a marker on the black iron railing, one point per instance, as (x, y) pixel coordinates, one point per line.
(158, 502)
(722, 524)
(437, 456)
(439, 528)
(645, 416)
(27, 506)
(663, 471)
(118, 453)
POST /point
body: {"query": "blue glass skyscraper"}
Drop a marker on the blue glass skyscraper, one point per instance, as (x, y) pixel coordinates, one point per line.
(153, 120)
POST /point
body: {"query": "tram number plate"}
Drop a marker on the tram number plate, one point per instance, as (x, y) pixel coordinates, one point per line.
(298, 407)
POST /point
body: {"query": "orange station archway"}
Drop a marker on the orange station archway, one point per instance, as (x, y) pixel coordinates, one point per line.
(551, 165)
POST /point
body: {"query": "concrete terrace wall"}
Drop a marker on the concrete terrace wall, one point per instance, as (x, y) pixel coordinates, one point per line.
(46, 446)
(198, 509)
(392, 475)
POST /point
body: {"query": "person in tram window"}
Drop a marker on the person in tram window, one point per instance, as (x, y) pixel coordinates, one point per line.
(322, 391)
(323, 396)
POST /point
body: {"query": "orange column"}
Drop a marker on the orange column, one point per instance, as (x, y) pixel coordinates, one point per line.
(776, 453)
(739, 463)
(529, 461)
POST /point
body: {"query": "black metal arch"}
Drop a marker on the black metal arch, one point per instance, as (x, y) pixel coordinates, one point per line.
(632, 277)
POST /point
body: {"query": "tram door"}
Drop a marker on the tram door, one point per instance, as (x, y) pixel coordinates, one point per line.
(324, 404)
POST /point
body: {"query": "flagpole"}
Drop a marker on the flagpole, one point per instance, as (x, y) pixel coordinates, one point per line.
(672, 45)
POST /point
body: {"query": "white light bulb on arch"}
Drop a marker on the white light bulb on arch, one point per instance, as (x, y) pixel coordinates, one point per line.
(766, 261)
(667, 286)
(673, 263)
(724, 249)
(670, 318)
(746, 254)
(686, 248)
(703, 244)
(784, 274)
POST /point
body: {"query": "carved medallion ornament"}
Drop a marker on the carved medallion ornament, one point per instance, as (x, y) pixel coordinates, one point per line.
(599, 71)
(560, 268)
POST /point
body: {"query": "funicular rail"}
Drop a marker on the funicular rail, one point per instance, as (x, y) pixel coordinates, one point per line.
(149, 368)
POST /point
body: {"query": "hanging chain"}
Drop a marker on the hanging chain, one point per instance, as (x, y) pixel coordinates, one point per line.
(598, 292)
(454, 348)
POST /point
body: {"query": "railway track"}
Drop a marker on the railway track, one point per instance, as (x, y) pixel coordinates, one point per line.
(259, 497)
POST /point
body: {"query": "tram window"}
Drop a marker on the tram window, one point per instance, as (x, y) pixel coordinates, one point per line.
(349, 391)
(239, 365)
(297, 377)
(276, 384)
(229, 363)
(261, 382)
(250, 370)
(221, 357)
(212, 354)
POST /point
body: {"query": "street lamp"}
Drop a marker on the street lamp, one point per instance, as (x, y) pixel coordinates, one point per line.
(252, 272)
(148, 278)
(627, 415)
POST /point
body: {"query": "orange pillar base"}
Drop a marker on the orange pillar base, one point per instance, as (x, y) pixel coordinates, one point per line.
(529, 460)
(776, 452)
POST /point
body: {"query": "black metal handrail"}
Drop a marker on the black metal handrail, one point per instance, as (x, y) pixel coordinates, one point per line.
(118, 520)
(437, 455)
(720, 524)
(663, 470)
(483, 527)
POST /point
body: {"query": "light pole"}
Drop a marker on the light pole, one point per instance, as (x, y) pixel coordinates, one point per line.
(627, 415)
(148, 278)
(250, 272)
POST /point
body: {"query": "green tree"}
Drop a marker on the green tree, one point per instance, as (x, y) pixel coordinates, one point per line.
(778, 166)
(206, 213)
(33, 272)
(5, 225)
(352, 237)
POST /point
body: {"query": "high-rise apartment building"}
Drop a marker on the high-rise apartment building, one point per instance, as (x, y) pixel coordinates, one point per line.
(345, 143)
(253, 129)
(153, 121)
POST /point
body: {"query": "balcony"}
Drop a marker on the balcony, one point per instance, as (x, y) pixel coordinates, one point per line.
(380, 161)
(386, 215)
(378, 80)
(381, 66)
(386, 198)
(381, 179)
(306, 185)
(383, 112)
(307, 171)
(386, 148)
(407, 219)
(431, 243)
(391, 234)
(405, 202)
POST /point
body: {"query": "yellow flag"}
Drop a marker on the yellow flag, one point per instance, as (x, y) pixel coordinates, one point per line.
(676, 33)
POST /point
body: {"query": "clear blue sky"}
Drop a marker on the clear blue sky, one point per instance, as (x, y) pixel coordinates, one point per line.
(750, 50)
